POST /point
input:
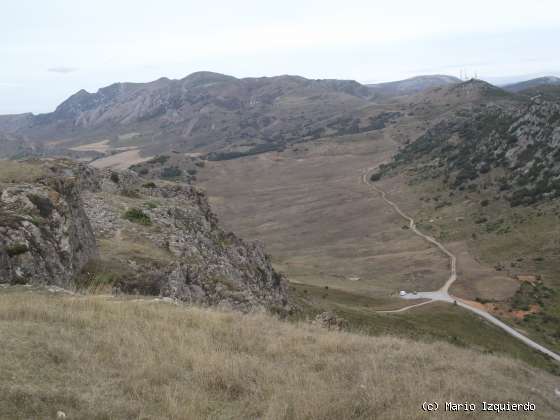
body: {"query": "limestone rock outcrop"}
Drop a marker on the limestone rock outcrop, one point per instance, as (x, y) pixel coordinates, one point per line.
(76, 226)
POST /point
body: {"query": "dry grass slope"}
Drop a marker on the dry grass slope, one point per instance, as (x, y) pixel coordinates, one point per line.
(12, 171)
(96, 358)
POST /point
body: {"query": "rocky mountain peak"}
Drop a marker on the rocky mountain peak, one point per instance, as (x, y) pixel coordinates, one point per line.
(206, 77)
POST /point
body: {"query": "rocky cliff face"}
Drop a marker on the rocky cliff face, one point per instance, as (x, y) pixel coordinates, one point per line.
(77, 226)
(165, 240)
(45, 235)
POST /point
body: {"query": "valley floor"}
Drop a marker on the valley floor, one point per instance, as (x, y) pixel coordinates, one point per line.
(320, 223)
(326, 229)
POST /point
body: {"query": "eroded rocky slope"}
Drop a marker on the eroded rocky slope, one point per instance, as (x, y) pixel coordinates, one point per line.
(68, 224)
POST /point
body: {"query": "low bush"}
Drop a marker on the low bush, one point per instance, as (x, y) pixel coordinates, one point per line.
(16, 249)
(375, 177)
(137, 216)
(171, 172)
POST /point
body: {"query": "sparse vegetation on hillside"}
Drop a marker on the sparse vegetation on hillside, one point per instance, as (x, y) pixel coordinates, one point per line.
(510, 241)
(260, 148)
(16, 171)
(137, 216)
(171, 172)
(97, 358)
(520, 142)
(174, 167)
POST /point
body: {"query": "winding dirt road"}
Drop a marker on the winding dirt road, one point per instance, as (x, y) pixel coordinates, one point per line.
(442, 294)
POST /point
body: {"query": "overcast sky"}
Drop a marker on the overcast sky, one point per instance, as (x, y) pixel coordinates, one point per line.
(50, 49)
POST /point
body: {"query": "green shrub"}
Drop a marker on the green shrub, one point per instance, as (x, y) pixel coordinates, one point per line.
(137, 216)
(152, 204)
(130, 193)
(171, 172)
(16, 249)
(375, 177)
(43, 204)
(159, 159)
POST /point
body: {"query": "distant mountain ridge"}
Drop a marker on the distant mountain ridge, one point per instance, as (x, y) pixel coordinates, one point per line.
(204, 111)
(413, 85)
(221, 115)
(533, 83)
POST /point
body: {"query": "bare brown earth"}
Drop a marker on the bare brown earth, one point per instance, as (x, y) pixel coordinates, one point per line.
(323, 227)
(101, 146)
(478, 280)
(120, 160)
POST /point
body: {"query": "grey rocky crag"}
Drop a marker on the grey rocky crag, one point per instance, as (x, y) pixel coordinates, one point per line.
(153, 238)
(45, 235)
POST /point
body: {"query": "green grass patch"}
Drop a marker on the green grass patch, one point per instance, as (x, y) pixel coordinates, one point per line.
(429, 323)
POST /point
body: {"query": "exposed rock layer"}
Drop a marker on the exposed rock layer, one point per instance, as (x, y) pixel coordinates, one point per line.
(45, 235)
(153, 238)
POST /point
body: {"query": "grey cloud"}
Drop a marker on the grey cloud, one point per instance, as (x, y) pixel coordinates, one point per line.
(62, 69)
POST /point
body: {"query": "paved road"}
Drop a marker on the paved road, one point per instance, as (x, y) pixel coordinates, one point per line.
(442, 294)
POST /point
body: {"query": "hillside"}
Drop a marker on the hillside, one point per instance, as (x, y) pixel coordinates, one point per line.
(487, 177)
(545, 92)
(411, 86)
(326, 229)
(104, 358)
(532, 84)
(521, 142)
(69, 225)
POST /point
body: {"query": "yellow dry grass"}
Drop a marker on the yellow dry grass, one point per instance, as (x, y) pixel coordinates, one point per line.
(97, 358)
(16, 171)
(100, 146)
